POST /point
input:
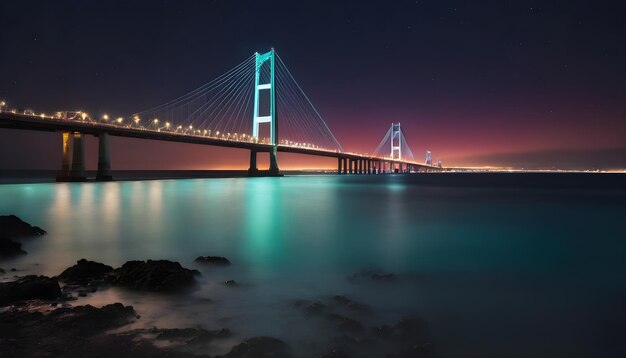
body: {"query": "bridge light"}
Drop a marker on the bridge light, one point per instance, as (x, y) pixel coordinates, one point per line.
(156, 120)
(105, 117)
(190, 127)
(167, 124)
(120, 119)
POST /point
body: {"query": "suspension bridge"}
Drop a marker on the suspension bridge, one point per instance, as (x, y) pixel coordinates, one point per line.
(257, 105)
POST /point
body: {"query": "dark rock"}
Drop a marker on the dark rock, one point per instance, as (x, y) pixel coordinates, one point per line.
(153, 275)
(10, 248)
(29, 288)
(213, 260)
(345, 324)
(191, 335)
(353, 306)
(74, 332)
(84, 272)
(88, 320)
(13, 269)
(260, 347)
(1, 271)
(13, 227)
(230, 283)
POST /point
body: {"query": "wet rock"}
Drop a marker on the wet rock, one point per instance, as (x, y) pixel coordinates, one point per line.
(29, 288)
(231, 283)
(153, 275)
(1, 271)
(13, 227)
(85, 272)
(352, 305)
(213, 260)
(88, 320)
(191, 335)
(370, 275)
(9, 248)
(259, 347)
(345, 323)
(73, 332)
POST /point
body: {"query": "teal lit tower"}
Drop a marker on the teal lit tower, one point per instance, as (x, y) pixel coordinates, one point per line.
(396, 141)
(266, 59)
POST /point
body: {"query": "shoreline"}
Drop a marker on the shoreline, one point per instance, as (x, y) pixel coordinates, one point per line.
(492, 179)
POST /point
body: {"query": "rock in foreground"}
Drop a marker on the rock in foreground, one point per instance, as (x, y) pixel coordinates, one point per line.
(191, 335)
(259, 347)
(13, 227)
(29, 288)
(213, 260)
(74, 332)
(85, 272)
(10, 248)
(153, 275)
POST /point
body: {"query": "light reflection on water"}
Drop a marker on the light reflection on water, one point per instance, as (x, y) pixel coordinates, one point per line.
(487, 268)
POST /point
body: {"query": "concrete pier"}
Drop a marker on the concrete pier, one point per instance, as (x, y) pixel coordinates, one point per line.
(64, 173)
(339, 165)
(274, 161)
(78, 159)
(253, 170)
(104, 159)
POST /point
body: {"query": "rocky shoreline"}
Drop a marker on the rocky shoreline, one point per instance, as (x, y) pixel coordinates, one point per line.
(38, 319)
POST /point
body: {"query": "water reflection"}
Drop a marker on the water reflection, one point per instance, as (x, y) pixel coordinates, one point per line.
(300, 237)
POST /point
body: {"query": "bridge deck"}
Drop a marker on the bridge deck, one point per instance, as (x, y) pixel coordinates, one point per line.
(48, 124)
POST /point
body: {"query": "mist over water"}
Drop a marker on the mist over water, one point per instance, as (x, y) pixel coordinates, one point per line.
(493, 271)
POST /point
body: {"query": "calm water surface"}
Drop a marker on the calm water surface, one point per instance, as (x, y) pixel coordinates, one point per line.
(494, 272)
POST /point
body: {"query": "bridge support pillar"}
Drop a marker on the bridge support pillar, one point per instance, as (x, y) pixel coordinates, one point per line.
(104, 160)
(253, 170)
(64, 173)
(78, 159)
(345, 165)
(274, 161)
(352, 166)
(368, 167)
(339, 164)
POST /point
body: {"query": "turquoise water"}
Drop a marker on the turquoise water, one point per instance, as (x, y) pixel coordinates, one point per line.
(494, 272)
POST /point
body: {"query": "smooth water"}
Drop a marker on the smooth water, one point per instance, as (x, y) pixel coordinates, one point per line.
(494, 272)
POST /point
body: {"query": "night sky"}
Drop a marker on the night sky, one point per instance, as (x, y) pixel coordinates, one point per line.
(534, 84)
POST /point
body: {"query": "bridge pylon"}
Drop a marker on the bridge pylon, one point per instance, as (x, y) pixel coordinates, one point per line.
(396, 141)
(261, 60)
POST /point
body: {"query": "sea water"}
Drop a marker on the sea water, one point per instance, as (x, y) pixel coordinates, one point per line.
(493, 272)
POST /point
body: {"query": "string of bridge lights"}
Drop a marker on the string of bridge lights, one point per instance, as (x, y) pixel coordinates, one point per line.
(159, 126)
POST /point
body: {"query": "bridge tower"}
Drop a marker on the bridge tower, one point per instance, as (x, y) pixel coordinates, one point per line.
(267, 59)
(396, 141)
